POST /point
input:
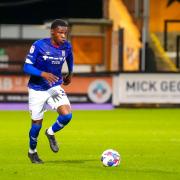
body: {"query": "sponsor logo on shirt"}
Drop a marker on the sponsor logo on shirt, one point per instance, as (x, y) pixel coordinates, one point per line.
(54, 58)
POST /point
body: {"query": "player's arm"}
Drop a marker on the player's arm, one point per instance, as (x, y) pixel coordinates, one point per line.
(69, 60)
(30, 69)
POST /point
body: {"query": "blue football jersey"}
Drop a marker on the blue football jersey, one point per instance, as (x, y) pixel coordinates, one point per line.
(46, 57)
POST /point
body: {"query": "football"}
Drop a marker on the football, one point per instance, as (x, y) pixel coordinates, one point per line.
(110, 158)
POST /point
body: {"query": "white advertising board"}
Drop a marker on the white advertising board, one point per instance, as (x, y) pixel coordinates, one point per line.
(146, 88)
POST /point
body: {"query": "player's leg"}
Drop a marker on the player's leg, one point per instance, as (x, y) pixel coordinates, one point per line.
(36, 107)
(61, 103)
(65, 115)
(63, 119)
(33, 136)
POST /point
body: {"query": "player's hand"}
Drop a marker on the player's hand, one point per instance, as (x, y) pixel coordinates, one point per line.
(67, 79)
(51, 78)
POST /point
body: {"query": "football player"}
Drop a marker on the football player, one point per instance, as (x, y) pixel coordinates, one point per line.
(44, 64)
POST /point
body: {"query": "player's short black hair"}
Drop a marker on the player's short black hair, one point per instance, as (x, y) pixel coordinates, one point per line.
(58, 22)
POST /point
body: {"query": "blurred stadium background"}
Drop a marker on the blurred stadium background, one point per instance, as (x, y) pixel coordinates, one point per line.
(134, 38)
(126, 55)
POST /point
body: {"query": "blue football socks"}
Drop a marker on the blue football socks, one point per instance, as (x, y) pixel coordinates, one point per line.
(33, 134)
(62, 120)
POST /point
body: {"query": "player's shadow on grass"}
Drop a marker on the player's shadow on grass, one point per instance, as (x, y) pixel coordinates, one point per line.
(76, 161)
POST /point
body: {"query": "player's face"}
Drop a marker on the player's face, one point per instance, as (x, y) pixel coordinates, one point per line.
(59, 34)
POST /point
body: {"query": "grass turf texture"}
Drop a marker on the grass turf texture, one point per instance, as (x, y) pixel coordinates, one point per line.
(147, 139)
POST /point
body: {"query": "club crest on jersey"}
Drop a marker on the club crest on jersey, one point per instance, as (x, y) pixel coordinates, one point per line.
(63, 53)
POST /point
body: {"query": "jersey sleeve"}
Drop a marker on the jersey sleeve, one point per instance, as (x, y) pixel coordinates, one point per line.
(70, 60)
(32, 55)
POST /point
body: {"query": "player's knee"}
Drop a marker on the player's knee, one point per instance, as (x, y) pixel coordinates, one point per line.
(65, 119)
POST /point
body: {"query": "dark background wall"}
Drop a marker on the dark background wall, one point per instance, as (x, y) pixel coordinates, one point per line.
(38, 11)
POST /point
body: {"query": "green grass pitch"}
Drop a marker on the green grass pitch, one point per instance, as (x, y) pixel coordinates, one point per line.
(148, 141)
